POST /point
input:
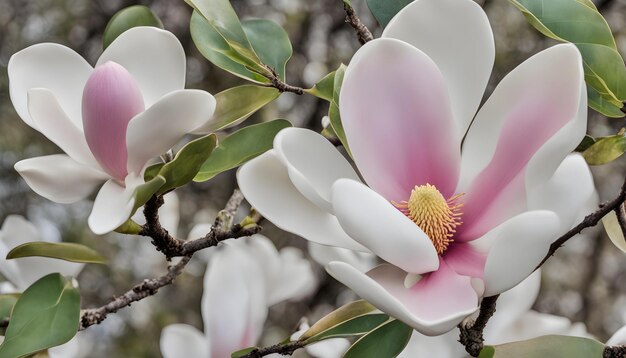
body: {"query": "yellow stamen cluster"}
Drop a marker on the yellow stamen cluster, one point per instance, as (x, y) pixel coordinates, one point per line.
(435, 215)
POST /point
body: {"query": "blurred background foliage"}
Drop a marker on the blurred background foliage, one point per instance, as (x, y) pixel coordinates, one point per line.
(585, 282)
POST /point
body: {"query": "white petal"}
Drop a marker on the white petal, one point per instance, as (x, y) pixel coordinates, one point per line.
(59, 178)
(372, 221)
(154, 57)
(323, 255)
(113, 206)
(618, 338)
(512, 306)
(233, 304)
(457, 36)
(50, 119)
(266, 185)
(164, 124)
(614, 230)
(534, 324)
(519, 245)
(566, 192)
(183, 340)
(313, 163)
(372, 291)
(329, 348)
(444, 346)
(50, 66)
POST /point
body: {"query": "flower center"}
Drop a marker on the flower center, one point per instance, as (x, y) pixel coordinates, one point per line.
(435, 215)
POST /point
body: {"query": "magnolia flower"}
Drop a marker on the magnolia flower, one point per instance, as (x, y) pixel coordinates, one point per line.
(23, 272)
(513, 321)
(110, 121)
(243, 279)
(453, 223)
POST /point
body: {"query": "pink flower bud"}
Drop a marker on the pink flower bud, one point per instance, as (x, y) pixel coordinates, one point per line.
(111, 98)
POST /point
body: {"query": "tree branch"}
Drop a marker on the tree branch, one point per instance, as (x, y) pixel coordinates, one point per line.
(614, 352)
(472, 332)
(590, 220)
(171, 247)
(353, 20)
(281, 86)
(282, 349)
(147, 288)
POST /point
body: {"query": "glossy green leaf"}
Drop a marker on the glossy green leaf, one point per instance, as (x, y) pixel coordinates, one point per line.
(236, 104)
(546, 346)
(67, 251)
(338, 316)
(356, 326)
(243, 352)
(387, 340)
(7, 302)
(187, 163)
(129, 227)
(239, 147)
(127, 18)
(46, 315)
(614, 230)
(217, 50)
(270, 42)
(587, 142)
(605, 150)
(579, 22)
(385, 10)
(324, 88)
(333, 111)
(152, 171)
(144, 192)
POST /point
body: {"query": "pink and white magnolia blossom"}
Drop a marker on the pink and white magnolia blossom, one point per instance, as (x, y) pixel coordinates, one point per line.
(111, 120)
(243, 279)
(458, 212)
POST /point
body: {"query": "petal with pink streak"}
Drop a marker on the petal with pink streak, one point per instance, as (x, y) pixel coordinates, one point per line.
(52, 66)
(529, 107)
(466, 259)
(434, 305)
(466, 58)
(396, 113)
(110, 100)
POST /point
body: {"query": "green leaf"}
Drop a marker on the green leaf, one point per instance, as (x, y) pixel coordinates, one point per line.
(242, 352)
(236, 104)
(239, 147)
(270, 42)
(144, 192)
(579, 22)
(7, 302)
(385, 10)
(217, 50)
(614, 230)
(57, 250)
(324, 88)
(46, 315)
(333, 111)
(188, 161)
(387, 340)
(587, 142)
(129, 227)
(605, 150)
(352, 327)
(132, 16)
(546, 346)
(338, 316)
(152, 171)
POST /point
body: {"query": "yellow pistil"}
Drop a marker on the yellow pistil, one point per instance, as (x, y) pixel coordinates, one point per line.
(435, 215)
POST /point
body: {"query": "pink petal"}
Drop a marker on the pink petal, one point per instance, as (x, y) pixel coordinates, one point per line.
(433, 306)
(525, 114)
(397, 117)
(465, 259)
(110, 100)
